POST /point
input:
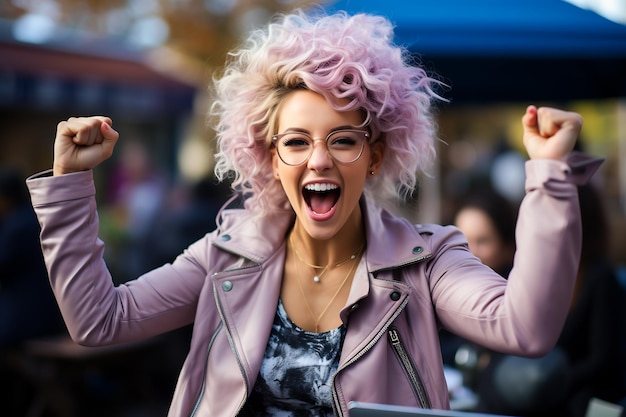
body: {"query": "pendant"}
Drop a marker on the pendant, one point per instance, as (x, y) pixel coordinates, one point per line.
(316, 278)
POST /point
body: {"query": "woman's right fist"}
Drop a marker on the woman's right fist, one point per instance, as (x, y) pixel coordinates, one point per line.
(82, 143)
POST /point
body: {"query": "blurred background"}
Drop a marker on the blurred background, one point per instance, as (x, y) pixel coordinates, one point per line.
(147, 64)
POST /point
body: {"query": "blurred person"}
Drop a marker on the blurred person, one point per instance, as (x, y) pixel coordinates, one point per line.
(310, 295)
(189, 213)
(592, 338)
(27, 306)
(587, 361)
(136, 194)
(28, 309)
(487, 219)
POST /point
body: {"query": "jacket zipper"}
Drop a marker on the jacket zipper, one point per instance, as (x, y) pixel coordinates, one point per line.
(383, 329)
(409, 368)
(196, 405)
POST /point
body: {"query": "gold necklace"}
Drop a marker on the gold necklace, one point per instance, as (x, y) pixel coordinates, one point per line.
(306, 301)
(324, 268)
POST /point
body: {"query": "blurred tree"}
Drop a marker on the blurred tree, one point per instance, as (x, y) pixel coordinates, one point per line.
(186, 36)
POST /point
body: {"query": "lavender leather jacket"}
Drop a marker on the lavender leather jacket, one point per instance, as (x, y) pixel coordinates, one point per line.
(412, 280)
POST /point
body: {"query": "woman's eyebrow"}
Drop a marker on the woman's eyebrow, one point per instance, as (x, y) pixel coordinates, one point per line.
(296, 129)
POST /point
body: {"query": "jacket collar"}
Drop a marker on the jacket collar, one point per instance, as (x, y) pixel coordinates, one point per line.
(391, 241)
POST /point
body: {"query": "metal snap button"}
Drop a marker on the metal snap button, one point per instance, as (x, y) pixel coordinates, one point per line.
(227, 286)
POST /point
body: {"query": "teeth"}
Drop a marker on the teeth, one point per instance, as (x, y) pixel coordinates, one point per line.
(320, 187)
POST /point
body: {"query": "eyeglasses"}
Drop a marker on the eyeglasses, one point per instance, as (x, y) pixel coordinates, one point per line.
(345, 146)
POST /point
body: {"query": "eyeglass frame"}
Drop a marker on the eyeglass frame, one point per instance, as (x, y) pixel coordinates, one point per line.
(365, 138)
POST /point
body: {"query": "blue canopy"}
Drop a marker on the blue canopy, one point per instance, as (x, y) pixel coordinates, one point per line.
(509, 50)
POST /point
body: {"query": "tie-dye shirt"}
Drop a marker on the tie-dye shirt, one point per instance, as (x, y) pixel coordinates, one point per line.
(296, 373)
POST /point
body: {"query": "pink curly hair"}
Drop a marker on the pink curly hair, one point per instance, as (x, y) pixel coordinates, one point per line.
(336, 56)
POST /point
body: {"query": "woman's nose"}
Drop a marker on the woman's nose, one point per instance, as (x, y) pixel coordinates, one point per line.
(320, 158)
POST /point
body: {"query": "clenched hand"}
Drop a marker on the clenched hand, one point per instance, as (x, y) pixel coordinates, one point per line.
(550, 133)
(82, 143)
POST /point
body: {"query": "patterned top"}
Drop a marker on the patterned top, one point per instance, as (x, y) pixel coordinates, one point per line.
(296, 373)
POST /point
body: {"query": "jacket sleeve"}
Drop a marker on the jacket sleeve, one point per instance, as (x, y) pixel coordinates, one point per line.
(523, 315)
(97, 312)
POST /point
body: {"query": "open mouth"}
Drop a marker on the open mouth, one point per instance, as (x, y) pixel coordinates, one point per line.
(321, 197)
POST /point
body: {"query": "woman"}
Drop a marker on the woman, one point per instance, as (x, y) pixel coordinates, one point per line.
(311, 295)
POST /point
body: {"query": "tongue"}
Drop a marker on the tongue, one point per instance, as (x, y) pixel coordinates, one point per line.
(321, 203)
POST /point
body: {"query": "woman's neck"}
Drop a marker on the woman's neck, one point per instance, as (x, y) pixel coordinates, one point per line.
(345, 244)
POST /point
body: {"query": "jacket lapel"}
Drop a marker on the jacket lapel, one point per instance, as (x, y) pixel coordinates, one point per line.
(247, 292)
